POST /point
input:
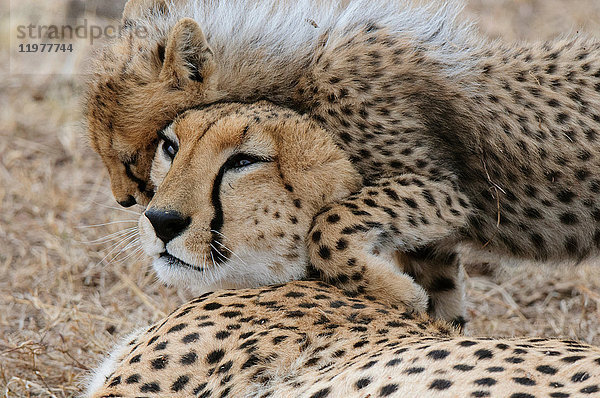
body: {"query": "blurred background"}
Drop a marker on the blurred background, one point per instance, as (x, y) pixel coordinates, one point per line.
(72, 278)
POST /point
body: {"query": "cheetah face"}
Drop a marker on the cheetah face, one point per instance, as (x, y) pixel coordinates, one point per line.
(237, 189)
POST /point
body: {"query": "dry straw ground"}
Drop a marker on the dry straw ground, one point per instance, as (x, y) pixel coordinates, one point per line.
(67, 291)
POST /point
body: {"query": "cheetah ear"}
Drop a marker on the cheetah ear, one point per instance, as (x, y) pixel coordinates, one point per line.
(138, 9)
(188, 57)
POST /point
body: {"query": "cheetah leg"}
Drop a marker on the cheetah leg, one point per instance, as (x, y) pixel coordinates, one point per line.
(440, 272)
(352, 242)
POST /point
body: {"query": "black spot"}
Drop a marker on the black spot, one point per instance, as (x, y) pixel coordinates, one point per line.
(410, 202)
(514, 360)
(388, 390)
(562, 118)
(553, 103)
(537, 240)
(495, 369)
(190, 338)
(565, 196)
(341, 244)
(521, 395)
(215, 356)
(440, 384)
(177, 328)
(590, 389)
(134, 378)
(160, 362)
(464, 368)
(161, 346)
(333, 218)
(115, 381)
(150, 387)
(580, 377)
(438, 354)
(571, 245)
(568, 218)
(368, 365)
(361, 383)
(180, 383)
(414, 370)
(321, 393)
(525, 381)
(483, 354)
(394, 362)
(135, 359)
(316, 236)
(549, 370)
(324, 252)
(370, 202)
(532, 213)
(188, 358)
(572, 359)
(212, 306)
(222, 335)
(251, 361)
(486, 381)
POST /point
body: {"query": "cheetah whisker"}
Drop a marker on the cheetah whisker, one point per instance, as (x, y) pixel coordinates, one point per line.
(106, 223)
(119, 245)
(112, 236)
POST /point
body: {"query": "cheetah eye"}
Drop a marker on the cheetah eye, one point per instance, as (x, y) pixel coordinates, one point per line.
(167, 145)
(169, 149)
(242, 163)
(241, 160)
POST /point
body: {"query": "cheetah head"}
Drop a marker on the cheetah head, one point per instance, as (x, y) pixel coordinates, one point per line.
(156, 68)
(237, 189)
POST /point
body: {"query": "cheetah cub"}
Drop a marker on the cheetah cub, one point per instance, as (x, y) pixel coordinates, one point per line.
(458, 141)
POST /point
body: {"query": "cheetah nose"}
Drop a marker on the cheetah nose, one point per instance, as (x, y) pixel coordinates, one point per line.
(167, 223)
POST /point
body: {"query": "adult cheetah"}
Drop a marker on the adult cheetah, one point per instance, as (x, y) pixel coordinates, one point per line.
(459, 141)
(308, 339)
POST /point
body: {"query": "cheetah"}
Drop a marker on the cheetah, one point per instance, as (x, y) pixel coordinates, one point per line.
(460, 142)
(309, 339)
(238, 187)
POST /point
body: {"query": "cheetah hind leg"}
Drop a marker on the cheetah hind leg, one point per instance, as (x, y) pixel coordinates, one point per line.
(441, 274)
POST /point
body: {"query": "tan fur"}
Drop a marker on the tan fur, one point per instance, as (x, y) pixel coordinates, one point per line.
(307, 339)
(458, 141)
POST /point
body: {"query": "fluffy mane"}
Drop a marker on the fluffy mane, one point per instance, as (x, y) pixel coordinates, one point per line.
(272, 35)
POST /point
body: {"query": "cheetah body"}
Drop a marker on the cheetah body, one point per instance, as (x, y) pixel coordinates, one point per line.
(458, 141)
(307, 339)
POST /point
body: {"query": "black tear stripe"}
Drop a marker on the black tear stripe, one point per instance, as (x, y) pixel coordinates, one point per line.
(142, 185)
(218, 254)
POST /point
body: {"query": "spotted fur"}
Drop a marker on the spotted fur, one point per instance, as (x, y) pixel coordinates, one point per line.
(459, 141)
(309, 339)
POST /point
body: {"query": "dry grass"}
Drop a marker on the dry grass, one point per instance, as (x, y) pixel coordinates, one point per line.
(67, 292)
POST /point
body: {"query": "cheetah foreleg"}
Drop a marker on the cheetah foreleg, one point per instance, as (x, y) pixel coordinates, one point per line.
(352, 242)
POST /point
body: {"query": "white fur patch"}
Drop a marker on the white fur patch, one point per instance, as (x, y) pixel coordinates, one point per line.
(252, 39)
(102, 373)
